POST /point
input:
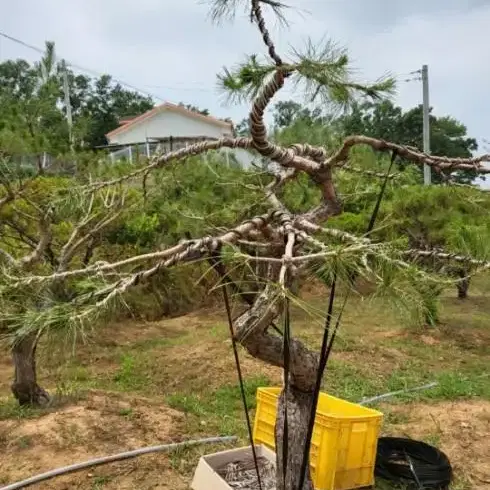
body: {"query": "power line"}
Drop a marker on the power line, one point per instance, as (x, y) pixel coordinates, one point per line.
(410, 76)
(18, 41)
(426, 121)
(81, 68)
(99, 74)
(78, 67)
(413, 79)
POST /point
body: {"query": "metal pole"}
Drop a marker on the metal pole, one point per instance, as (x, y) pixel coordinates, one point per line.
(66, 90)
(425, 88)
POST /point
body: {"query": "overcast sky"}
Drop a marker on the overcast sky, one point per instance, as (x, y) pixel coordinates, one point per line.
(171, 49)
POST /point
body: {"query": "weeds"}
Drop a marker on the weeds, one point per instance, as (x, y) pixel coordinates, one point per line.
(129, 377)
(10, 409)
(220, 410)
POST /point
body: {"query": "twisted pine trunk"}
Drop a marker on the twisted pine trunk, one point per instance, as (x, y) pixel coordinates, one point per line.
(251, 331)
(463, 285)
(299, 409)
(25, 388)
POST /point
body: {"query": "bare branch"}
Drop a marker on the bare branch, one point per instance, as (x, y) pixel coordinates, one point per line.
(257, 13)
(14, 192)
(208, 243)
(440, 254)
(11, 260)
(191, 150)
(9, 196)
(44, 241)
(415, 156)
(65, 254)
(287, 258)
(75, 242)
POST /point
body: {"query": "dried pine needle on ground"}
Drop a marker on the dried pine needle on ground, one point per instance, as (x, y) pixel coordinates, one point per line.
(243, 475)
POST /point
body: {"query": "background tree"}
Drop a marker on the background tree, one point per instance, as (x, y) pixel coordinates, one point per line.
(295, 122)
(430, 219)
(193, 108)
(286, 113)
(106, 104)
(45, 225)
(443, 218)
(242, 128)
(33, 118)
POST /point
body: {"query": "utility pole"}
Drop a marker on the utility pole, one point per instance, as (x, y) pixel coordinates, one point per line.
(66, 90)
(426, 127)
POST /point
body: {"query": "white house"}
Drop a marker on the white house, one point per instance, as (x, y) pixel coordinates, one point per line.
(172, 127)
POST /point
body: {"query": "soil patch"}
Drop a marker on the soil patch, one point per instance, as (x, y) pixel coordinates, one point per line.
(99, 425)
(461, 429)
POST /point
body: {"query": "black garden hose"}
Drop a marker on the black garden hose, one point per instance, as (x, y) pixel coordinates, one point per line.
(413, 463)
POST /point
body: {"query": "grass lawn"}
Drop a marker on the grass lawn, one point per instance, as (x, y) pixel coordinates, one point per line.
(138, 384)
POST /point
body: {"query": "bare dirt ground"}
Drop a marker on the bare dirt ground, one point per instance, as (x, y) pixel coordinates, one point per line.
(117, 394)
(103, 424)
(98, 425)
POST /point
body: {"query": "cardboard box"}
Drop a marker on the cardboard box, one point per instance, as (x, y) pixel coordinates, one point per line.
(206, 477)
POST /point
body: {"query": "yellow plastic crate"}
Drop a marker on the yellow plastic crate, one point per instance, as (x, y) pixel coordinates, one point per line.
(344, 441)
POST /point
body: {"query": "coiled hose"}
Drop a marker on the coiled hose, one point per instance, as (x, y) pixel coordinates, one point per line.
(413, 463)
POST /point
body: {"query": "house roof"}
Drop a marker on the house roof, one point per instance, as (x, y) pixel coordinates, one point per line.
(125, 120)
(167, 106)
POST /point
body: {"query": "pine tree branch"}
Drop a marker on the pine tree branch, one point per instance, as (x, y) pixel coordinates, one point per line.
(443, 163)
(297, 156)
(369, 173)
(257, 13)
(229, 237)
(113, 209)
(160, 160)
(44, 241)
(411, 253)
(448, 256)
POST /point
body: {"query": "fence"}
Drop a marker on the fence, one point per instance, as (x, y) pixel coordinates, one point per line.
(26, 164)
(132, 152)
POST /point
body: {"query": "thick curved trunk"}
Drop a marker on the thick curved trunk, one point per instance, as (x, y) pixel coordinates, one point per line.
(463, 285)
(251, 332)
(299, 410)
(25, 387)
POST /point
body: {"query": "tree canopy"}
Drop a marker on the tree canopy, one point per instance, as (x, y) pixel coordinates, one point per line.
(379, 119)
(194, 108)
(33, 117)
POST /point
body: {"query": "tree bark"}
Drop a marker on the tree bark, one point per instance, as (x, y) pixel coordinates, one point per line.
(299, 410)
(463, 285)
(25, 388)
(251, 331)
